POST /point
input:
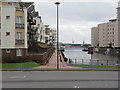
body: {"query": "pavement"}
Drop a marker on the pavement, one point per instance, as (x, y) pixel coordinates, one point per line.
(52, 64)
(60, 79)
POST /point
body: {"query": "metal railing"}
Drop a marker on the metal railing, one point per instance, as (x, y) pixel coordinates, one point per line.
(19, 26)
(94, 62)
(19, 41)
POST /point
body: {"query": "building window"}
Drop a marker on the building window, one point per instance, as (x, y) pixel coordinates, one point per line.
(19, 36)
(7, 33)
(19, 20)
(7, 17)
(13, 3)
(19, 52)
(7, 50)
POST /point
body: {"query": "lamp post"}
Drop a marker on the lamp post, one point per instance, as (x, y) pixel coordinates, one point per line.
(57, 3)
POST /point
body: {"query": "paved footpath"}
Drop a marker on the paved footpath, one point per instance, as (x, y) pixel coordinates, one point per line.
(53, 62)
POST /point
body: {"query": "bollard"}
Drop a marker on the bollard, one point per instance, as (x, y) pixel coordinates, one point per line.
(82, 61)
(90, 62)
(107, 62)
(97, 62)
(75, 61)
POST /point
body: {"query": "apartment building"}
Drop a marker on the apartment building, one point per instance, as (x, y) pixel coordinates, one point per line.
(111, 33)
(13, 29)
(40, 29)
(50, 35)
(20, 28)
(107, 34)
(94, 36)
(102, 37)
(117, 39)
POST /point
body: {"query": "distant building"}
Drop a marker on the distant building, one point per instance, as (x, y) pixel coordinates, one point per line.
(94, 36)
(50, 35)
(107, 34)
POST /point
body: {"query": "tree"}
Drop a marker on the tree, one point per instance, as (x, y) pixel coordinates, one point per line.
(110, 44)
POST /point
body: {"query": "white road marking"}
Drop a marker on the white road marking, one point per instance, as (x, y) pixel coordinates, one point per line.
(76, 87)
(17, 77)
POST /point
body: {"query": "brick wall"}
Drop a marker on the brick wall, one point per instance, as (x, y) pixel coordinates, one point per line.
(13, 53)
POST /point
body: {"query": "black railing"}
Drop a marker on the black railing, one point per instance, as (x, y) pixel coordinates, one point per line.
(33, 22)
(19, 26)
(93, 62)
(29, 18)
(19, 41)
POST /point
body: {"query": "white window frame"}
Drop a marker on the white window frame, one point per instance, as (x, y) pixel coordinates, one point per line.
(18, 52)
(19, 36)
(19, 19)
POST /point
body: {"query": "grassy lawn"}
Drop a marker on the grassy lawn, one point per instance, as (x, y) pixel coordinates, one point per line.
(92, 66)
(19, 65)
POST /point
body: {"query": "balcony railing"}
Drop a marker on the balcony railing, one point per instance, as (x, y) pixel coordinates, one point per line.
(19, 26)
(29, 18)
(33, 22)
(19, 9)
(19, 41)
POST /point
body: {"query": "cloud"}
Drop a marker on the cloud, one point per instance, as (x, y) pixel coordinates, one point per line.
(76, 18)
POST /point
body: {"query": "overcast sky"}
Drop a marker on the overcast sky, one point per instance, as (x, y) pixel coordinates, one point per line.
(77, 18)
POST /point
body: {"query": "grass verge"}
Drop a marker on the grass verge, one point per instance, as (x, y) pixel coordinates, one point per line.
(19, 65)
(92, 66)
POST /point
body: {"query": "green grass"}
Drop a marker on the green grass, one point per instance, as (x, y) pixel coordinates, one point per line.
(92, 66)
(19, 65)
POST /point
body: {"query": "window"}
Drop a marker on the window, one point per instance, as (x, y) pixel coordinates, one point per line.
(7, 50)
(19, 19)
(19, 36)
(7, 33)
(13, 3)
(7, 17)
(19, 52)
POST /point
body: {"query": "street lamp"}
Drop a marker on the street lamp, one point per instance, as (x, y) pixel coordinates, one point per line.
(57, 3)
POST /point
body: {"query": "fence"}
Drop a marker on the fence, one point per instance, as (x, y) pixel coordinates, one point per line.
(93, 62)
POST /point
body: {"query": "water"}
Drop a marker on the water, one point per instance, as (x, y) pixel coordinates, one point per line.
(77, 56)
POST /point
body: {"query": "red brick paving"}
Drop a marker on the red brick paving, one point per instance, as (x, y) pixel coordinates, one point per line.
(53, 63)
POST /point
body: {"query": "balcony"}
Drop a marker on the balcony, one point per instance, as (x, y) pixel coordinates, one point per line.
(19, 9)
(19, 26)
(29, 18)
(33, 22)
(21, 41)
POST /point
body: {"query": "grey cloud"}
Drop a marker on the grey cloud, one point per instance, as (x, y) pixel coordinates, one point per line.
(76, 18)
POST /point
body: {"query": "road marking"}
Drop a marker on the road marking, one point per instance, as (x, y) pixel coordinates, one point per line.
(17, 77)
(76, 87)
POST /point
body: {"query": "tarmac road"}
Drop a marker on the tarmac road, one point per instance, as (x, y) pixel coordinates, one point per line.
(60, 79)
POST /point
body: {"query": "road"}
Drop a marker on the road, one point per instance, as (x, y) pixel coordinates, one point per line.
(60, 79)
